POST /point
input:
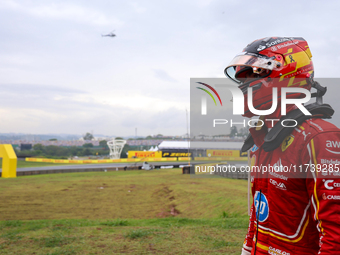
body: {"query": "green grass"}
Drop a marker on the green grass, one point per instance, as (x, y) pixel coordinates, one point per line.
(120, 195)
(163, 236)
(138, 233)
(115, 223)
(134, 212)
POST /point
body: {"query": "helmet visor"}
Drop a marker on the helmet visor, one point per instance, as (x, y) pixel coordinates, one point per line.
(243, 64)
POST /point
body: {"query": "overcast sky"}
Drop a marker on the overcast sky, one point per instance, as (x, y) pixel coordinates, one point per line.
(59, 75)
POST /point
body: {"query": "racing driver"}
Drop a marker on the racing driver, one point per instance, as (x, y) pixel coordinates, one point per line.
(296, 205)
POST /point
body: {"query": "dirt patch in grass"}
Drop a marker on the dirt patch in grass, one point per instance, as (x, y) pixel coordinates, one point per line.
(120, 194)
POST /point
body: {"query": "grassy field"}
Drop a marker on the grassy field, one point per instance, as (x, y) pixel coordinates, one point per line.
(156, 236)
(163, 211)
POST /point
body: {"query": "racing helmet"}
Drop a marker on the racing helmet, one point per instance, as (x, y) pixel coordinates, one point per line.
(271, 62)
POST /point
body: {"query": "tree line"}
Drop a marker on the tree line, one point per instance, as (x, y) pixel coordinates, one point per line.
(61, 152)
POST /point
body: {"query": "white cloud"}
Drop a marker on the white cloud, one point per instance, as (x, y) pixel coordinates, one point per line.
(163, 75)
(59, 75)
(64, 11)
(137, 7)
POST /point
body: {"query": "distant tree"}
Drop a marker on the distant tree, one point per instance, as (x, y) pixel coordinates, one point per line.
(103, 144)
(119, 138)
(51, 150)
(159, 135)
(26, 153)
(233, 131)
(149, 137)
(243, 131)
(88, 137)
(126, 148)
(62, 151)
(73, 150)
(87, 145)
(86, 152)
(37, 152)
(53, 139)
(38, 147)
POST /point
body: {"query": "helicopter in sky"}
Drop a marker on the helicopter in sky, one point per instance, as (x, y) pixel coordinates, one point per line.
(111, 34)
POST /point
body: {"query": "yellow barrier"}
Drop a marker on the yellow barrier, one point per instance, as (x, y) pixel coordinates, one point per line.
(223, 153)
(159, 159)
(145, 154)
(9, 161)
(74, 161)
(40, 160)
(61, 161)
(169, 159)
(184, 158)
(222, 158)
(99, 161)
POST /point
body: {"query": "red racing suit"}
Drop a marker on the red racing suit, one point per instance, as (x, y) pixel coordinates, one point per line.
(298, 204)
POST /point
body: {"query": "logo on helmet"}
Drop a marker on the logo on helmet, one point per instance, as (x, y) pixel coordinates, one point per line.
(280, 40)
(261, 47)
